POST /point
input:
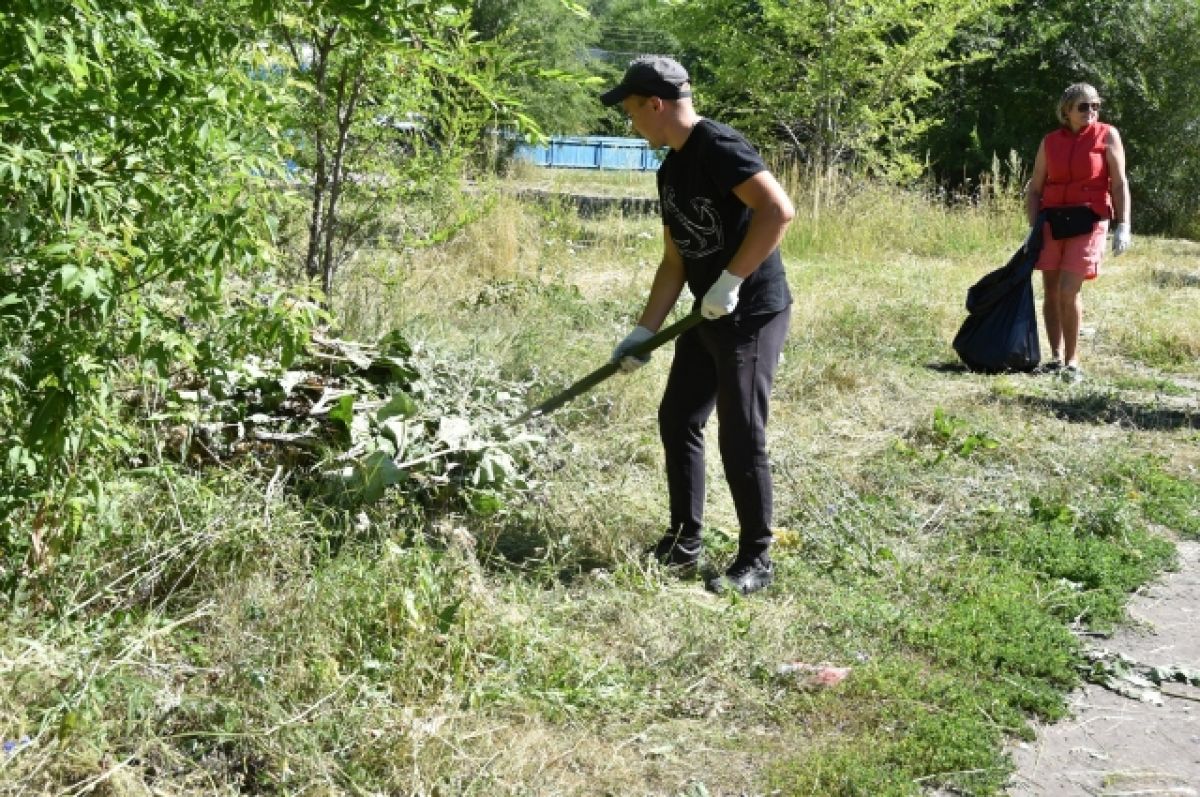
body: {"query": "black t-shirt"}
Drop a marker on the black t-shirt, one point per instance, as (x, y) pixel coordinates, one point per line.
(706, 219)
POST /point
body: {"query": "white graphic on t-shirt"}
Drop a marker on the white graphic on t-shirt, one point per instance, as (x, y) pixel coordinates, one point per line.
(704, 232)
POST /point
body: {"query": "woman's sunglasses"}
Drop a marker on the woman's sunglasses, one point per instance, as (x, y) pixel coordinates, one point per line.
(1087, 106)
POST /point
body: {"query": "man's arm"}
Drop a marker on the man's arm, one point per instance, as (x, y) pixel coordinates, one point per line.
(667, 285)
(773, 211)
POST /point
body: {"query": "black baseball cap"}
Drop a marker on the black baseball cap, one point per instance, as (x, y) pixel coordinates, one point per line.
(650, 76)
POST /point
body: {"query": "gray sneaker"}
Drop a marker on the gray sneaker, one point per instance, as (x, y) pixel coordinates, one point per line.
(745, 576)
(1071, 375)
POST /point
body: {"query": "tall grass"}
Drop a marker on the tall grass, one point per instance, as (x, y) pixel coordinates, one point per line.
(941, 533)
(855, 218)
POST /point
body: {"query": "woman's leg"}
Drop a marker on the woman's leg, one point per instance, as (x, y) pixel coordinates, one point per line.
(1070, 314)
(1080, 262)
(1051, 300)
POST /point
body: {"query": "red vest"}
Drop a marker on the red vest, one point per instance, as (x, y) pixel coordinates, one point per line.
(1076, 169)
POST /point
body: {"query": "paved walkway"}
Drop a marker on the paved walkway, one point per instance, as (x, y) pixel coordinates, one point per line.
(1119, 746)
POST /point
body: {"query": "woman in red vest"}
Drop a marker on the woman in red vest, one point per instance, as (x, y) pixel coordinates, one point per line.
(1079, 181)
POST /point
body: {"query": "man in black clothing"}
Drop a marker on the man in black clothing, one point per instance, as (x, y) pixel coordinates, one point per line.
(724, 215)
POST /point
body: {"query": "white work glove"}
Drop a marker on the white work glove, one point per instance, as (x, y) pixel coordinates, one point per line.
(627, 361)
(1122, 237)
(722, 297)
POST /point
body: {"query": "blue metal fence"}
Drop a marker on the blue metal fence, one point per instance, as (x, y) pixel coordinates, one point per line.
(592, 152)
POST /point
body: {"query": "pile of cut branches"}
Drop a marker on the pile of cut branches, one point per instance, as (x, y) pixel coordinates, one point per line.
(353, 419)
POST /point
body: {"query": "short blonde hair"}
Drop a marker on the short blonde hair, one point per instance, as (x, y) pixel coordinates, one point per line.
(1074, 93)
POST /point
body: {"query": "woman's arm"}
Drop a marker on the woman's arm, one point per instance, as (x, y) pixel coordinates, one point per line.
(1114, 154)
(1037, 181)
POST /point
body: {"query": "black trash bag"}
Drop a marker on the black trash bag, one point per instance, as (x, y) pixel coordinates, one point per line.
(1000, 332)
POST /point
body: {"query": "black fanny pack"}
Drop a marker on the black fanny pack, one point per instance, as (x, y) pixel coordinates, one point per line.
(1072, 221)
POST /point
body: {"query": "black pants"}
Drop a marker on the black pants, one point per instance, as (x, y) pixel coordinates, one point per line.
(729, 364)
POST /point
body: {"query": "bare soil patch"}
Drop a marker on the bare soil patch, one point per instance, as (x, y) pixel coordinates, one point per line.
(1119, 745)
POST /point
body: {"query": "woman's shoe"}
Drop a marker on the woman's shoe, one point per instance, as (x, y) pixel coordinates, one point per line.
(1071, 375)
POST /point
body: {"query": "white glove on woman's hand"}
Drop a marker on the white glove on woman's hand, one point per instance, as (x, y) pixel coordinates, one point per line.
(628, 362)
(722, 297)
(1122, 237)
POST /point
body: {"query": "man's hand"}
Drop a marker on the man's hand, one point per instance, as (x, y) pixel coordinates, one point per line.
(722, 297)
(1122, 237)
(628, 362)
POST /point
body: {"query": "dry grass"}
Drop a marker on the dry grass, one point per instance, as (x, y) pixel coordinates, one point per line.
(533, 651)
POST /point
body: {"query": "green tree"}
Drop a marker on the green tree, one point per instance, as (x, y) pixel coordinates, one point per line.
(999, 99)
(1142, 58)
(626, 29)
(392, 97)
(136, 145)
(834, 81)
(629, 28)
(550, 41)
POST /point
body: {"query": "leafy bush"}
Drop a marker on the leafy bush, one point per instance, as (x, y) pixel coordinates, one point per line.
(133, 180)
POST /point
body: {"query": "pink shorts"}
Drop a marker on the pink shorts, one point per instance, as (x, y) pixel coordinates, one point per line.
(1080, 255)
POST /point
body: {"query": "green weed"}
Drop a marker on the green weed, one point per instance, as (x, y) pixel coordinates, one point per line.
(947, 434)
(1089, 559)
(1165, 499)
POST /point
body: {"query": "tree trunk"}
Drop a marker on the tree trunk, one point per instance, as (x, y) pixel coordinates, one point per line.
(347, 104)
(316, 221)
